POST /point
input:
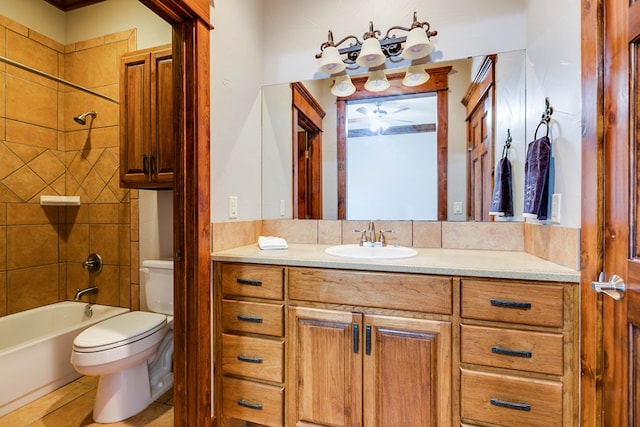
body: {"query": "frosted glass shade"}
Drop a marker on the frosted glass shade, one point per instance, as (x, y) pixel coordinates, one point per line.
(370, 54)
(415, 76)
(342, 86)
(377, 81)
(331, 62)
(417, 45)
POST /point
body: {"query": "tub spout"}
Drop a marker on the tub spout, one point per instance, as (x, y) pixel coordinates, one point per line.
(91, 290)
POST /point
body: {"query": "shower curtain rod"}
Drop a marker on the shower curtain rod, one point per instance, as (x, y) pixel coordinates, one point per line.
(56, 79)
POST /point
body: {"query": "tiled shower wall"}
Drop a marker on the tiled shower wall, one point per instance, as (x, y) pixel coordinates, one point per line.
(44, 152)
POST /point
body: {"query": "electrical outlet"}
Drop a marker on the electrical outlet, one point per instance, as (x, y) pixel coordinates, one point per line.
(457, 208)
(555, 208)
(282, 208)
(233, 206)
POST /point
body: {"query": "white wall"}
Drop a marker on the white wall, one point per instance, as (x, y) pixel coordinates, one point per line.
(236, 131)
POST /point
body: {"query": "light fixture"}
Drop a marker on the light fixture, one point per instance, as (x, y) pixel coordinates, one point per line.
(377, 81)
(342, 86)
(331, 62)
(373, 51)
(415, 76)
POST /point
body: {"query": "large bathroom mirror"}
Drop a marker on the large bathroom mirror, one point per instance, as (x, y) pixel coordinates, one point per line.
(396, 182)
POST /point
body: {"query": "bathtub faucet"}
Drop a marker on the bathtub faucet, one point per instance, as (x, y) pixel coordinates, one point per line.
(93, 263)
(91, 290)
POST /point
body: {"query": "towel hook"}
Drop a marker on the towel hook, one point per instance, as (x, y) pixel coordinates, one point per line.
(507, 144)
(546, 117)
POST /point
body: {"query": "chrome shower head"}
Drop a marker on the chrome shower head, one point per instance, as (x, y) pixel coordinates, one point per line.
(82, 118)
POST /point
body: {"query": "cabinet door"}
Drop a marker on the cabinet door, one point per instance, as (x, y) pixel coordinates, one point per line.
(406, 372)
(134, 119)
(162, 157)
(325, 377)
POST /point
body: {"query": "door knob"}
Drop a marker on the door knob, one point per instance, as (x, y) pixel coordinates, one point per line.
(615, 287)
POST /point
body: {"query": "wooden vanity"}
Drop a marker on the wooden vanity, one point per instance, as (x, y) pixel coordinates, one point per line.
(304, 339)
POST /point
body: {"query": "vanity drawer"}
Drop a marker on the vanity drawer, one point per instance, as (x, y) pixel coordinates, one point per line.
(258, 358)
(528, 304)
(430, 294)
(509, 348)
(509, 400)
(253, 317)
(253, 402)
(253, 281)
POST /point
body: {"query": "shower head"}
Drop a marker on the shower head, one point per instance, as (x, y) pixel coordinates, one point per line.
(82, 118)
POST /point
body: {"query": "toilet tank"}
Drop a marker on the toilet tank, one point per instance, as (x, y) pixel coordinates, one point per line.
(158, 285)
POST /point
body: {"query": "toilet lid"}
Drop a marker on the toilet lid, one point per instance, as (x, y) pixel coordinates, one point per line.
(119, 330)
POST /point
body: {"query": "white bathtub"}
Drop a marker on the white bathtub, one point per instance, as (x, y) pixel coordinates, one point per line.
(35, 349)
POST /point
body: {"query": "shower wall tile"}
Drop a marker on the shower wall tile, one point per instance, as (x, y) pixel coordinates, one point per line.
(31, 246)
(44, 151)
(31, 287)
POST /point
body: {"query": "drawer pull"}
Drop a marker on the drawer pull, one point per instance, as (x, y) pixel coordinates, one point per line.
(249, 319)
(356, 338)
(249, 405)
(249, 282)
(508, 352)
(367, 341)
(511, 304)
(510, 405)
(249, 359)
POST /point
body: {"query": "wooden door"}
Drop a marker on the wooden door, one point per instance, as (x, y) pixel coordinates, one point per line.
(406, 372)
(325, 371)
(621, 318)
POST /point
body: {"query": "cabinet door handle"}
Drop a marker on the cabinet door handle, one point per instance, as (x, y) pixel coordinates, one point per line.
(145, 164)
(356, 338)
(249, 359)
(251, 319)
(367, 342)
(152, 164)
(508, 352)
(510, 405)
(249, 282)
(249, 405)
(511, 304)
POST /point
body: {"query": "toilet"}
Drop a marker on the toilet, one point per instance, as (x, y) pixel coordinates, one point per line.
(131, 353)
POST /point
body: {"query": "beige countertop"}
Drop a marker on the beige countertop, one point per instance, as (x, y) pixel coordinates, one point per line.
(451, 262)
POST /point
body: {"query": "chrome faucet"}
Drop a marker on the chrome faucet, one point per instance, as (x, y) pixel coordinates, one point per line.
(368, 236)
(91, 290)
(93, 263)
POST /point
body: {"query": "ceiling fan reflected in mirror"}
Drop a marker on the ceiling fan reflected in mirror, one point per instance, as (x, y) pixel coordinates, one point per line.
(376, 118)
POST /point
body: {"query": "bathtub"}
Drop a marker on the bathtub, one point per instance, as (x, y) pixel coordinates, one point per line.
(35, 349)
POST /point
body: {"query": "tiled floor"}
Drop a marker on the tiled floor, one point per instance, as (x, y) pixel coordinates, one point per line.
(72, 405)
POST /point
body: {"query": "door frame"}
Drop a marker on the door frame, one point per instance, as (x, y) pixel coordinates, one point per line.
(192, 389)
(592, 231)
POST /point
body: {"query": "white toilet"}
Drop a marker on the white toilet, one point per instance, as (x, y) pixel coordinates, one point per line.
(131, 353)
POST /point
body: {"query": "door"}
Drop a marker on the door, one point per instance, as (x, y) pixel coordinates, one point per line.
(480, 162)
(620, 333)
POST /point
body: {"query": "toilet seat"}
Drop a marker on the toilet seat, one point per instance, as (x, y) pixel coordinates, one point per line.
(119, 331)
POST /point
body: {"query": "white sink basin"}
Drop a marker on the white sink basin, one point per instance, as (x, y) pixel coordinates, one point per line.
(373, 252)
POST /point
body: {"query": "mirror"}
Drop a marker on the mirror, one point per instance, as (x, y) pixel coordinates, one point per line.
(509, 108)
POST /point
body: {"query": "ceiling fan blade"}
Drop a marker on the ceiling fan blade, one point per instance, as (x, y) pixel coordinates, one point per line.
(399, 110)
(363, 110)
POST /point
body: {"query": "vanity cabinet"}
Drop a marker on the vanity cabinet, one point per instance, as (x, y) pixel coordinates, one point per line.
(311, 346)
(354, 362)
(518, 353)
(250, 360)
(147, 145)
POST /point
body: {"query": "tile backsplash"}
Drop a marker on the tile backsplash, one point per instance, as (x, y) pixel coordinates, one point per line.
(553, 243)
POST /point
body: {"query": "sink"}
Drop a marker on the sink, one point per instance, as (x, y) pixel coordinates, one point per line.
(371, 252)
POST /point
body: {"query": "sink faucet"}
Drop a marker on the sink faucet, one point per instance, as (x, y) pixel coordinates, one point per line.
(368, 236)
(91, 290)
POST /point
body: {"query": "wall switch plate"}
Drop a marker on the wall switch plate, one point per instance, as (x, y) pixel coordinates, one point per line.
(556, 198)
(233, 206)
(282, 208)
(457, 208)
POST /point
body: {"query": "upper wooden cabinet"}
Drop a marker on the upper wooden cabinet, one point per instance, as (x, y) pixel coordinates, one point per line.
(147, 149)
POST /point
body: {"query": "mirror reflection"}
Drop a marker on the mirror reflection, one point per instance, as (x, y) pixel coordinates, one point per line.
(405, 196)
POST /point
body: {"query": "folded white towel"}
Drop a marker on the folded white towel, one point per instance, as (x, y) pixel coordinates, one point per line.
(270, 242)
